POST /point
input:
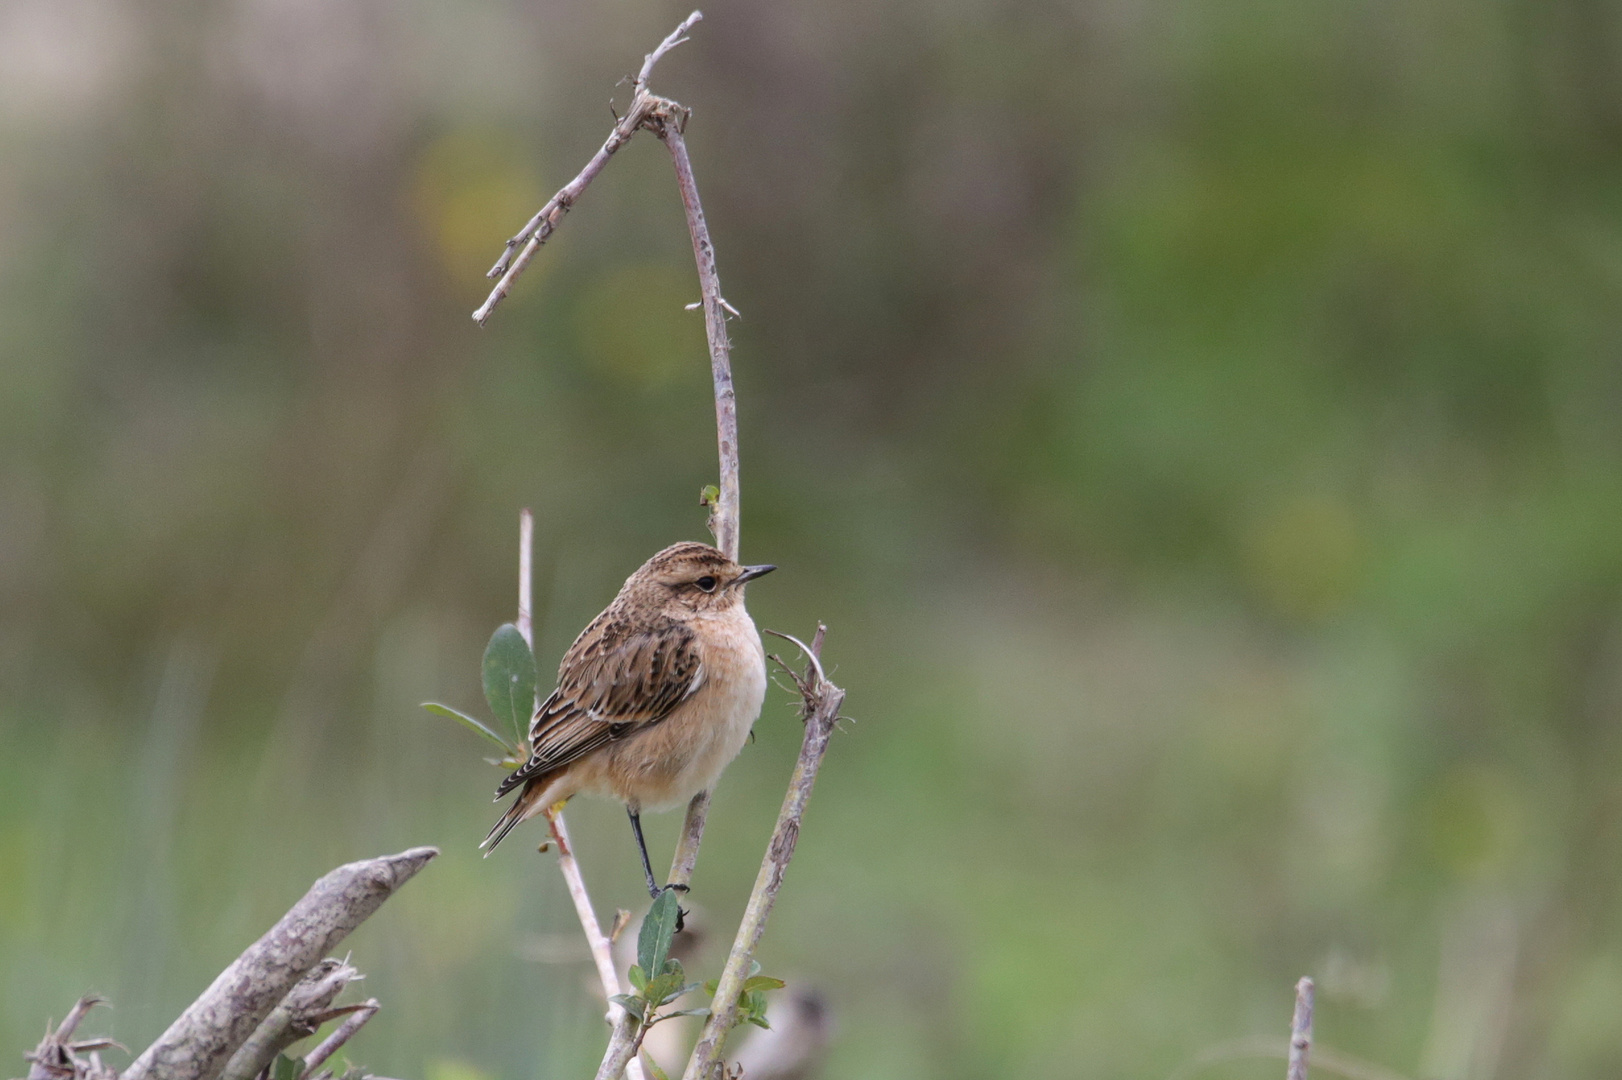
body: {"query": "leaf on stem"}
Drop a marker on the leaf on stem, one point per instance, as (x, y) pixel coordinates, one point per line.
(508, 749)
(631, 1003)
(658, 927)
(509, 679)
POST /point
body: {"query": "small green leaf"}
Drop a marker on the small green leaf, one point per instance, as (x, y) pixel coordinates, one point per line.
(658, 988)
(677, 992)
(658, 927)
(509, 679)
(638, 979)
(711, 986)
(701, 1011)
(759, 1021)
(286, 1068)
(630, 1003)
(710, 496)
(653, 1068)
(508, 749)
(763, 982)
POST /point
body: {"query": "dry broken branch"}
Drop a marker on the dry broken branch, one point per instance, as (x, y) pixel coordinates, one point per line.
(530, 238)
(57, 1057)
(202, 1040)
(297, 1016)
(341, 1034)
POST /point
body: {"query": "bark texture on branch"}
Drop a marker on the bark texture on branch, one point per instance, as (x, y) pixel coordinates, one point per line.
(295, 1017)
(200, 1042)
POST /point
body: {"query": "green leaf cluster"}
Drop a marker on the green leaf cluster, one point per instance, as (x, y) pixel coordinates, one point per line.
(752, 998)
(657, 977)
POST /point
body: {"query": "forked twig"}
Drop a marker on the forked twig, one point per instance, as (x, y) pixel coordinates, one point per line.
(529, 239)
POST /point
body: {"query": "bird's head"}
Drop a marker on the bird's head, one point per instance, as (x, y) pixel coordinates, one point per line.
(686, 579)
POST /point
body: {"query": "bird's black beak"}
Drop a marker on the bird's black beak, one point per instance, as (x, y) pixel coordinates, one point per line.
(750, 573)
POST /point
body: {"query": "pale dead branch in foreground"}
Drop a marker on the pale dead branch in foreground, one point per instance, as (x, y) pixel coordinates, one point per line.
(203, 1039)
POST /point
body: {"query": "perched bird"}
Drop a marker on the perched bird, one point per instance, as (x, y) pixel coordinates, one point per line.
(654, 698)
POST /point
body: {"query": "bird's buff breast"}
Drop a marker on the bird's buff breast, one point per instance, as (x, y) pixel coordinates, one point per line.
(686, 753)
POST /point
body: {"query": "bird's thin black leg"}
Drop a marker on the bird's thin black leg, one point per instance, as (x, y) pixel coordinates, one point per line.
(642, 846)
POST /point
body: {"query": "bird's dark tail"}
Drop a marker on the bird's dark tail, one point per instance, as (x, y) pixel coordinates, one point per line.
(508, 821)
(530, 802)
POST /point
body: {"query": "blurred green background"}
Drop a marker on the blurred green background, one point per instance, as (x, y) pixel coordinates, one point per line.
(1197, 423)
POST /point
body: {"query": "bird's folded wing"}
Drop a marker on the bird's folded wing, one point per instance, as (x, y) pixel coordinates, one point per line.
(609, 687)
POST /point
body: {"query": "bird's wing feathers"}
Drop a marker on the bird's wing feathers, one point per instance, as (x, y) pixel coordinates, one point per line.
(611, 684)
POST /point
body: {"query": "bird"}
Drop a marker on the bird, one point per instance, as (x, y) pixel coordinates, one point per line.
(654, 698)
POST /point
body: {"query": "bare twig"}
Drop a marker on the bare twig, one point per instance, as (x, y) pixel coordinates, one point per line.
(526, 577)
(535, 232)
(724, 514)
(295, 1017)
(724, 519)
(821, 701)
(692, 835)
(1301, 1030)
(198, 1044)
(601, 951)
(340, 1035)
(57, 1055)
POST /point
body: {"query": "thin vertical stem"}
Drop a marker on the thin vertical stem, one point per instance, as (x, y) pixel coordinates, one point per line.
(526, 578)
(601, 952)
(1301, 1030)
(725, 517)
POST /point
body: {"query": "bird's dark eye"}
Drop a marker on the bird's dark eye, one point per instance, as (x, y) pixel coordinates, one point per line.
(707, 583)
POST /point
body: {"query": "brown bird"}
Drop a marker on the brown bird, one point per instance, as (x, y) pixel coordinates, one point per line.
(653, 699)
